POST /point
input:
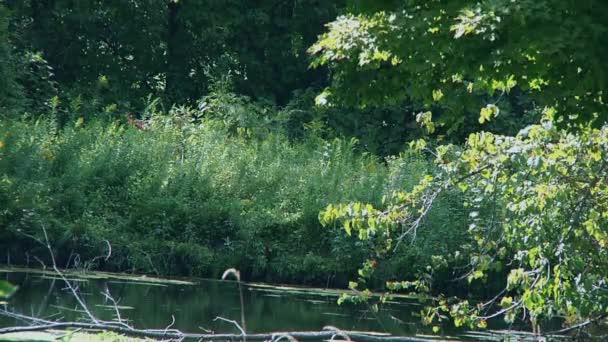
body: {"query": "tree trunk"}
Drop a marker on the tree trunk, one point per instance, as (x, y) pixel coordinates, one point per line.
(172, 57)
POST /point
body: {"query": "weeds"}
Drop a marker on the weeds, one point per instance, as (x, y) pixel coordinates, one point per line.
(187, 197)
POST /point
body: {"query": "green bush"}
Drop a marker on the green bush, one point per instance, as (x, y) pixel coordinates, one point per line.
(187, 198)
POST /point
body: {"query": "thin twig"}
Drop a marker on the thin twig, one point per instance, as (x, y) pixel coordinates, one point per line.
(337, 332)
(108, 296)
(67, 282)
(577, 326)
(237, 275)
(233, 322)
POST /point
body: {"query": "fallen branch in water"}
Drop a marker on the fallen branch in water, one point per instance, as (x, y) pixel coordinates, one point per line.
(177, 335)
(121, 326)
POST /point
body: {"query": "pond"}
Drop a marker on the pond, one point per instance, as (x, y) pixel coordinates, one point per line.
(193, 305)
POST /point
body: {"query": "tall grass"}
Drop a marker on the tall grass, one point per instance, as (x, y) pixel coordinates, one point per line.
(186, 198)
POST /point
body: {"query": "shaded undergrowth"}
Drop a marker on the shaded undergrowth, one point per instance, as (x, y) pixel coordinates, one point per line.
(195, 198)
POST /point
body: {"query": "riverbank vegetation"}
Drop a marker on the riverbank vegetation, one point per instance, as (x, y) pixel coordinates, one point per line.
(456, 152)
(190, 198)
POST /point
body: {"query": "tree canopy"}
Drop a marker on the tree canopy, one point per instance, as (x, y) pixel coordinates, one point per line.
(173, 49)
(469, 61)
(536, 198)
(536, 212)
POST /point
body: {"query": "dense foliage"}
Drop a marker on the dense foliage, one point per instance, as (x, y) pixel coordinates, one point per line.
(188, 197)
(535, 199)
(9, 92)
(458, 147)
(537, 213)
(121, 51)
(455, 57)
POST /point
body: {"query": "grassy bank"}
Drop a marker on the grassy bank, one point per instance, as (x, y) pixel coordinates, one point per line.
(183, 198)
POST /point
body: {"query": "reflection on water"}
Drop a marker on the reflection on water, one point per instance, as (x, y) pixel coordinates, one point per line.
(194, 305)
(152, 305)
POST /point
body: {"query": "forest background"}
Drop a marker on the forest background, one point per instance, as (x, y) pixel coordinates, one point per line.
(457, 146)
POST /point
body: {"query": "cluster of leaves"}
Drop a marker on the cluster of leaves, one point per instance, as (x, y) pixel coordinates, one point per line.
(538, 212)
(536, 199)
(456, 57)
(6, 290)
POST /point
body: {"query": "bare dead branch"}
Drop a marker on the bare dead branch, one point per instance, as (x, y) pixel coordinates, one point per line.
(104, 257)
(237, 274)
(297, 335)
(120, 326)
(243, 333)
(65, 280)
(337, 332)
(283, 336)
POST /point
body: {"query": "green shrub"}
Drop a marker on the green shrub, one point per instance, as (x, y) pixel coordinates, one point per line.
(187, 198)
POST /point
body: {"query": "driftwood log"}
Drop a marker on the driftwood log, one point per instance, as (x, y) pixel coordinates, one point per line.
(172, 334)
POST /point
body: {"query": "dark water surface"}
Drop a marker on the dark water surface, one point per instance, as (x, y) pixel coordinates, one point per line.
(150, 303)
